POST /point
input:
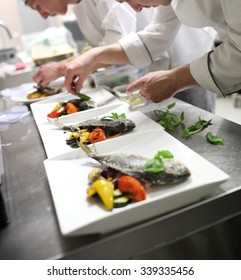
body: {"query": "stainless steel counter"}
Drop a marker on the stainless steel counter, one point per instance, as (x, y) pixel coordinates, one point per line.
(33, 232)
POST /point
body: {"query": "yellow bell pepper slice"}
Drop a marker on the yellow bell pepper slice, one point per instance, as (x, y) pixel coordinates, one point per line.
(84, 136)
(105, 190)
(57, 107)
(91, 191)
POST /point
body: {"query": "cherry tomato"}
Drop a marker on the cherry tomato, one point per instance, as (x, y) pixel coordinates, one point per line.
(97, 135)
(133, 187)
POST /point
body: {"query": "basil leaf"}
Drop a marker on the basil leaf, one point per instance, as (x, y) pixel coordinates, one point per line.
(196, 128)
(121, 116)
(214, 139)
(168, 120)
(113, 116)
(164, 154)
(83, 96)
(154, 165)
(157, 163)
(170, 106)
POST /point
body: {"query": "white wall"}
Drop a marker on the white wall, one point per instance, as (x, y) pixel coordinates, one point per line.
(9, 14)
(31, 20)
(21, 20)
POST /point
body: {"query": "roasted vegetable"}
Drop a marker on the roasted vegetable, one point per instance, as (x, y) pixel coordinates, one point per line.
(97, 135)
(105, 190)
(132, 187)
(70, 107)
(57, 113)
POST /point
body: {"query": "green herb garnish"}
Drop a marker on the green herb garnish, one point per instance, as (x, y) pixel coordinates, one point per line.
(157, 164)
(214, 139)
(113, 116)
(171, 121)
(164, 154)
(168, 120)
(195, 128)
(83, 97)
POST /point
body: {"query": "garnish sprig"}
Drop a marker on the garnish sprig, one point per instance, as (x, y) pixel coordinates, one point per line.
(197, 127)
(83, 97)
(157, 163)
(113, 116)
(170, 121)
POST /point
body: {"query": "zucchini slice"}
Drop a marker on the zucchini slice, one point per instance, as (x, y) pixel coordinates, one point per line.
(117, 193)
(121, 201)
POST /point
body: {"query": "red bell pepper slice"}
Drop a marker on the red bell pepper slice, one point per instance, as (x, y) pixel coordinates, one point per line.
(57, 113)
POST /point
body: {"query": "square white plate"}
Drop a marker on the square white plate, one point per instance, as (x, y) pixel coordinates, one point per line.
(67, 175)
(101, 97)
(54, 138)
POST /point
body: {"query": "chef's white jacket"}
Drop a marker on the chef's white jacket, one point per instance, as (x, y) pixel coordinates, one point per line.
(104, 22)
(218, 71)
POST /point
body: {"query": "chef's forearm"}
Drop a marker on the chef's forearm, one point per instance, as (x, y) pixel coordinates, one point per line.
(62, 65)
(183, 78)
(108, 55)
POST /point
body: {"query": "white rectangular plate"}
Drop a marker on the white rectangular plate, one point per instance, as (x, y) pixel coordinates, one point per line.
(67, 175)
(101, 97)
(54, 138)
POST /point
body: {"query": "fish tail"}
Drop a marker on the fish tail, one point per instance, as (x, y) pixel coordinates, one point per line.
(85, 148)
(56, 122)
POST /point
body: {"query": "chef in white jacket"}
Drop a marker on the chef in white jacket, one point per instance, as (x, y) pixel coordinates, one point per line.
(147, 48)
(105, 21)
(218, 70)
(100, 21)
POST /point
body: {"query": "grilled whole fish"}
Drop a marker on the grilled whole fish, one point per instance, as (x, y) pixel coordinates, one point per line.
(133, 165)
(115, 125)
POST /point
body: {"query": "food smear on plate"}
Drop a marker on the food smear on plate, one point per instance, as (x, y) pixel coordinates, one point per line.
(125, 178)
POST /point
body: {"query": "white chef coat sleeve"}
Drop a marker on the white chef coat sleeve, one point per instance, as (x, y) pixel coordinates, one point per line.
(220, 70)
(117, 23)
(150, 44)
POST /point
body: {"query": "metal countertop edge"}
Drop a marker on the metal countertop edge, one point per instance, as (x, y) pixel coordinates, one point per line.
(165, 229)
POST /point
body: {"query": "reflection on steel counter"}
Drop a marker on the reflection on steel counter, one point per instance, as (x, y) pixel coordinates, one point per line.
(3, 213)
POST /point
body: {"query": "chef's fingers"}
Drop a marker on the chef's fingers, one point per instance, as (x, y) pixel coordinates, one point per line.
(40, 79)
(43, 82)
(69, 83)
(36, 77)
(77, 83)
(78, 86)
(136, 86)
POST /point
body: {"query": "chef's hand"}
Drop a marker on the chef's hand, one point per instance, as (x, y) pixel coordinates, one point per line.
(47, 73)
(77, 71)
(161, 85)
